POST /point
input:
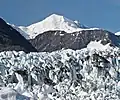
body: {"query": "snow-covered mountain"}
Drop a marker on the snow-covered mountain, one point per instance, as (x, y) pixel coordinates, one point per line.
(52, 23)
(53, 40)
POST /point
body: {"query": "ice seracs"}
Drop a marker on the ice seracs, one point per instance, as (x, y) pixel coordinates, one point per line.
(11, 94)
(52, 22)
(78, 75)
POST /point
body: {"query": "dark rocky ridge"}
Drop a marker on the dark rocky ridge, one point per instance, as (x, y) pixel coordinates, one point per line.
(118, 36)
(49, 41)
(10, 39)
(56, 40)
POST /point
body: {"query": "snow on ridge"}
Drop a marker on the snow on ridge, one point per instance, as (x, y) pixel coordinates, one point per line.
(23, 30)
(53, 22)
(98, 45)
(117, 33)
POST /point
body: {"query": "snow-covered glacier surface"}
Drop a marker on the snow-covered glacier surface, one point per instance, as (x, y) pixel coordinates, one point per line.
(61, 75)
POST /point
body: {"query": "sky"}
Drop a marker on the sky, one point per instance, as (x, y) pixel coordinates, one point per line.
(93, 13)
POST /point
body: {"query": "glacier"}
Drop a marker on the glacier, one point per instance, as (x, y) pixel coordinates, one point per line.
(11, 94)
(86, 74)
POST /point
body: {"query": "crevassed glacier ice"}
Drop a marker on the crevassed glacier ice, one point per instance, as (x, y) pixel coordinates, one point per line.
(63, 75)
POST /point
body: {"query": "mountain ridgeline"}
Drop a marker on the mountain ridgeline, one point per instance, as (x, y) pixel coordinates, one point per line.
(56, 40)
(53, 33)
(10, 39)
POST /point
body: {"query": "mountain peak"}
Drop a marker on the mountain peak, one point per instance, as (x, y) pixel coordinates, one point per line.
(55, 15)
(53, 22)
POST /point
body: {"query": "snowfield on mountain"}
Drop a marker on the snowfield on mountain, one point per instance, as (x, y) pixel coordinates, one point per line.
(86, 74)
(53, 22)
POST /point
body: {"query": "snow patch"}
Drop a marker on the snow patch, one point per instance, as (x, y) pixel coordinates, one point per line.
(117, 33)
(98, 45)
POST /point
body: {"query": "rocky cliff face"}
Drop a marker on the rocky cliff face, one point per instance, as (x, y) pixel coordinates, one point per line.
(56, 40)
(10, 39)
(118, 36)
